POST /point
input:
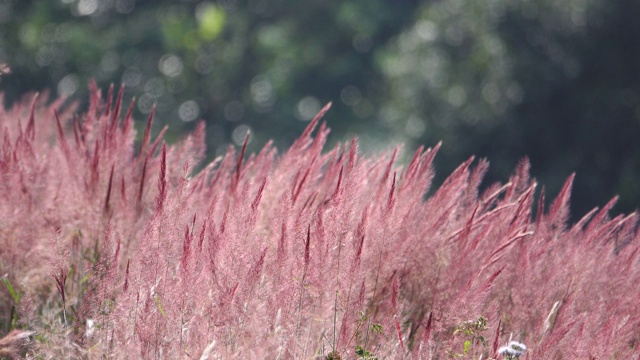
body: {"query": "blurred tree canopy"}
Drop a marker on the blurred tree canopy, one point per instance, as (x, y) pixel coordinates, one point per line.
(557, 81)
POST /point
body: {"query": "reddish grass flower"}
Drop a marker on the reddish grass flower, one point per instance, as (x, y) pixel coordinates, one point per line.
(313, 253)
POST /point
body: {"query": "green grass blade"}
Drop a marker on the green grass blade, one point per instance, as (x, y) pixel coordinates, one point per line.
(159, 305)
(16, 296)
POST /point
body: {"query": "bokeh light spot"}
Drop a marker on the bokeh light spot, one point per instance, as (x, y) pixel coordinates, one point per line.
(307, 108)
(350, 95)
(491, 93)
(239, 133)
(170, 65)
(87, 7)
(457, 96)
(415, 127)
(145, 103)
(125, 6)
(188, 111)
(211, 20)
(154, 87)
(262, 91)
(204, 64)
(132, 77)
(68, 85)
(110, 62)
(426, 30)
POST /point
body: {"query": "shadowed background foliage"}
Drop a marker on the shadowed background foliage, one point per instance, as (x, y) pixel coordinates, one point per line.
(557, 81)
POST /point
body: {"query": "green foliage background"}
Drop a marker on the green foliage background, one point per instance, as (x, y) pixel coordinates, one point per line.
(557, 81)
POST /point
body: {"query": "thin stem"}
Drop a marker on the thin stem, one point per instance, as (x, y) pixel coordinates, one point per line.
(335, 315)
(375, 289)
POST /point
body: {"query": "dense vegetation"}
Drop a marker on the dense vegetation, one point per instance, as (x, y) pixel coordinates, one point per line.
(111, 248)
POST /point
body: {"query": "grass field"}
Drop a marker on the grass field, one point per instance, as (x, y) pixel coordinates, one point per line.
(113, 246)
